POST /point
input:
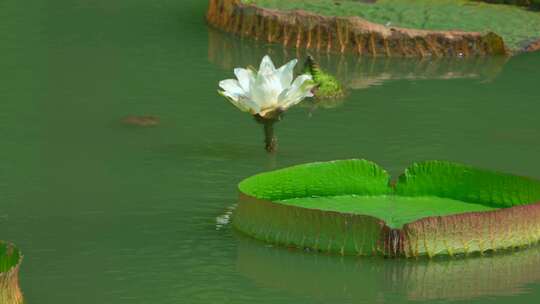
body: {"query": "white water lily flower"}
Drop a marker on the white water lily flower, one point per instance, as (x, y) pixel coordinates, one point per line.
(268, 90)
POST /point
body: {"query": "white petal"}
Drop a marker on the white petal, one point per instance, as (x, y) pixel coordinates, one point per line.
(285, 74)
(267, 66)
(236, 95)
(266, 90)
(232, 86)
(242, 103)
(300, 89)
(245, 77)
(235, 100)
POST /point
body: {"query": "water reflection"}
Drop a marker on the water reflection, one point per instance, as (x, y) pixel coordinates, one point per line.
(353, 71)
(333, 277)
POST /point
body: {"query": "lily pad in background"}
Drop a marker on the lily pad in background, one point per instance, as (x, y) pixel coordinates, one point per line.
(350, 207)
(516, 25)
(10, 260)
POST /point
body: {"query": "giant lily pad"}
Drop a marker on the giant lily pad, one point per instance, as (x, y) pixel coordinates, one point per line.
(350, 207)
(10, 259)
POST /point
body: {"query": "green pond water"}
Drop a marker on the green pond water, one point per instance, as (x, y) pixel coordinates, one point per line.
(111, 213)
(394, 210)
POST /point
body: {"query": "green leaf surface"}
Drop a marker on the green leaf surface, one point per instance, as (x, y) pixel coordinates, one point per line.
(465, 183)
(394, 210)
(319, 179)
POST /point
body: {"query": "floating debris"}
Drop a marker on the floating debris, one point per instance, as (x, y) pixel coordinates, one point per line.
(141, 121)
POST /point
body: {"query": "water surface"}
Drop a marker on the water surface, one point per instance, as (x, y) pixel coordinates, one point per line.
(112, 213)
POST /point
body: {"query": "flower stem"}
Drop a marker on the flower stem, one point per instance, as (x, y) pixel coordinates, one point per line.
(268, 121)
(270, 140)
